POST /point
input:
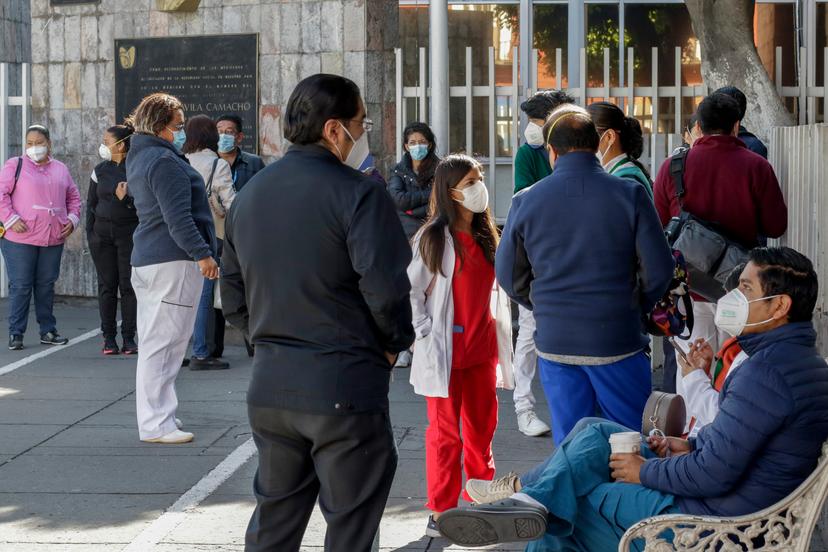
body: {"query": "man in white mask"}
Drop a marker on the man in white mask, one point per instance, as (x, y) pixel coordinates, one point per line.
(314, 272)
(531, 165)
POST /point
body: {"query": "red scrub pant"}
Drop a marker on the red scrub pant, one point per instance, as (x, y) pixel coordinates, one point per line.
(472, 402)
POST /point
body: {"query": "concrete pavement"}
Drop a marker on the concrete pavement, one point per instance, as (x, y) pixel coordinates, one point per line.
(74, 477)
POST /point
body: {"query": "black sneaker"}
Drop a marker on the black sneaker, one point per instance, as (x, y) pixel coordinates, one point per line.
(53, 338)
(208, 364)
(432, 530)
(15, 342)
(110, 346)
(130, 347)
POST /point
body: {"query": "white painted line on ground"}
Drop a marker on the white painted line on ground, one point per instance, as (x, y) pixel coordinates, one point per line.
(52, 350)
(177, 513)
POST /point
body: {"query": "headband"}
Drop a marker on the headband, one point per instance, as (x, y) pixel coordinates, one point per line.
(558, 120)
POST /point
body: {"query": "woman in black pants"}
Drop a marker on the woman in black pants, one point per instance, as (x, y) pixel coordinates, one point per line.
(110, 222)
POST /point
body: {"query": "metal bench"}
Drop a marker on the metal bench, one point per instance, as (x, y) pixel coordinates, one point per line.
(787, 526)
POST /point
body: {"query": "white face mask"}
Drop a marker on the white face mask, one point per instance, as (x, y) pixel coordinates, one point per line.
(533, 134)
(358, 153)
(732, 312)
(105, 152)
(37, 153)
(475, 197)
(600, 155)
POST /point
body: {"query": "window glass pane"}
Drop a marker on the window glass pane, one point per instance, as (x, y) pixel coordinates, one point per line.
(482, 26)
(550, 33)
(413, 36)
(774, 25)
(821, 44)
(602, 32)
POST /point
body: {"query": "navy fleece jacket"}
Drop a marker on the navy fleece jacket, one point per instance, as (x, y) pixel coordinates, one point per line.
(586, 252)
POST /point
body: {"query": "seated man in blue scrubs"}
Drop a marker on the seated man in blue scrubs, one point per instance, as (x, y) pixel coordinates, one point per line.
(764, 442)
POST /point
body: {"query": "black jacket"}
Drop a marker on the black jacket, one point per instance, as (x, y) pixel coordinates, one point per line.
(410, 198)
(314, 272)
(102, 203)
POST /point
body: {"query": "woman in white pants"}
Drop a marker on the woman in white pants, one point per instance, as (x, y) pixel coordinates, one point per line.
(174, 249)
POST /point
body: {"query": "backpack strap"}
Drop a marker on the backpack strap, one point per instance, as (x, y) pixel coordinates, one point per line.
(17, 174)
(209, 185)
(677, 166)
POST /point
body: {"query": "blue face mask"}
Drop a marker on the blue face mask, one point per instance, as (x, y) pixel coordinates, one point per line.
(179, 137)
(418, 152)
(226, 143)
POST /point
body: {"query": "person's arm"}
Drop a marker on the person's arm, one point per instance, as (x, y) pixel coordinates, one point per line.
(233, 298)
(404, 198)
(514, 273)
(753, 408)
(171, 186)
(524, 176)
(7, 212)
(655, 260)
(773, 213)
(223, 184)
(420, 277)
(380, 254)
(701, 397)
(663, 190)
(91, 202)
(73, 200)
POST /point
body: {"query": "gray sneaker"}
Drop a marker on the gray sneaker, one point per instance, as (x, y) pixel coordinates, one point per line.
(505, 521)
(486, 492)
(431, 529)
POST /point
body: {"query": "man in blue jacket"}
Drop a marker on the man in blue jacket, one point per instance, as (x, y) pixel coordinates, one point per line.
(762, 445)
(585, 252)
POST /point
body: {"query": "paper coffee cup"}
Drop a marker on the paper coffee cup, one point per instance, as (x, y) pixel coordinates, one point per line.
(628, 442)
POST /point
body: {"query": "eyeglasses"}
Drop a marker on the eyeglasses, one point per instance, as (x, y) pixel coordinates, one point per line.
(177, 127)
(367, 124)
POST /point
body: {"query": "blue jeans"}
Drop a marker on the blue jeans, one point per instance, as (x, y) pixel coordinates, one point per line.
(587, 510)
(31, 268)
(620, 389)
(202, 323)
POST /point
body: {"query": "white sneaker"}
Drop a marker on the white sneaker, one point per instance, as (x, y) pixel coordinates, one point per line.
(403, 359)
(530, 425)
(486, 492)
(176, 437)
(178, 423)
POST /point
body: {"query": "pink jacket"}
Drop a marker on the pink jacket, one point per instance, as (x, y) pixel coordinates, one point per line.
(45, 199)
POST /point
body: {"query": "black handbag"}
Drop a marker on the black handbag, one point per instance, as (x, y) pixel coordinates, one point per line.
(711, 256)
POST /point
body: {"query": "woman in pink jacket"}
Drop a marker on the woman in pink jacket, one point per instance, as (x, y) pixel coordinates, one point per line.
(40, 207)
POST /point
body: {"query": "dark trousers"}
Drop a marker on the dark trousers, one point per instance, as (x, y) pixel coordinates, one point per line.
(670, 366)
(31, 269)
(347, 462)
(111, 249)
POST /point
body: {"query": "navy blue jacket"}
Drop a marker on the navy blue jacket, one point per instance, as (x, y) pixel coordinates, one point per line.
(586, 252)
(767, 437)
(174, 218)
(753, 143)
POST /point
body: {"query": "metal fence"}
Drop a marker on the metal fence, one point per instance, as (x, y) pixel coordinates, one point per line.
(659, 144)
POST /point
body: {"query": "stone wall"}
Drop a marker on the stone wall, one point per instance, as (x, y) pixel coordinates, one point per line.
(73, 72)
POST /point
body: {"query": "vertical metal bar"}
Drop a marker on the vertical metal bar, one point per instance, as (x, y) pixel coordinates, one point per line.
(606, 74)
(778, 67)
(803, 88)
(559, 70)
(677, 125)
(469, 100)
(622, 36)
(525, 46)
(825, 86)
(514, 109)
(583, 79)
(654, 100)
(534, 85)
(491, 178)
(400, 117)
(576, 39)
(438, 41)
(422, 114)
(631, 82)
(4, 113)
(25, 93)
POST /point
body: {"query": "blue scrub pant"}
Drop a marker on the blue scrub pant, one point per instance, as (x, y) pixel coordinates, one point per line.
(588, 512)
(620, 390)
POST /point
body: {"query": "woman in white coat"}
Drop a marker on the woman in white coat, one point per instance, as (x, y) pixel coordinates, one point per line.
(201, 150)
(463, 324)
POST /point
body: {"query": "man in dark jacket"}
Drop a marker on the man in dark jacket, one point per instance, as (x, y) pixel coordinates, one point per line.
(752, 142)
(765, 441)
(584, 251)
(727, 185)
(314, 271)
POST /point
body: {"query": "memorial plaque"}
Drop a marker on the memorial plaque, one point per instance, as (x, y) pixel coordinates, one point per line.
(212, 75)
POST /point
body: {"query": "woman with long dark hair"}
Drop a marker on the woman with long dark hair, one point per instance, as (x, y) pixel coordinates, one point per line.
(412, 178)
(621, 143)
(460, 341)
(111, 220)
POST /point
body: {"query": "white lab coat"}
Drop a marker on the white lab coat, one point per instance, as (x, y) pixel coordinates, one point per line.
(702, 398)
(432, 306)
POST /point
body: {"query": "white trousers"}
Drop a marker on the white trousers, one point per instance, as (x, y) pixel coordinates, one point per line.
(168, 296)
(526, 361)
(704, 327)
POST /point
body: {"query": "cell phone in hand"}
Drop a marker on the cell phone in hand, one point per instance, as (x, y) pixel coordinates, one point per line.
(678, 349)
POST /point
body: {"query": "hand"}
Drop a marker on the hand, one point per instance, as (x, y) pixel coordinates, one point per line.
(699, 357)
(121, 190)
(668, 446)
(209, 268)
(626, 467)
(67, 230)
(19, 227)
(391, 358)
